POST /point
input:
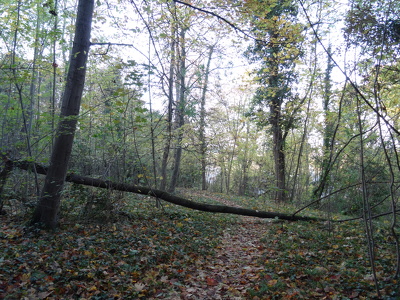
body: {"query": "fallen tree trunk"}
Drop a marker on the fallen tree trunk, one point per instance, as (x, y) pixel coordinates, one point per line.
(106, 184)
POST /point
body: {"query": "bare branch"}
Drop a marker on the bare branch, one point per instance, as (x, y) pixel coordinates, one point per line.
(235, 27)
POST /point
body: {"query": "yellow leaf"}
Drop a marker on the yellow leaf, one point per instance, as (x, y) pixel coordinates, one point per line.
(93, 288)
(25, 277)
(272, 282)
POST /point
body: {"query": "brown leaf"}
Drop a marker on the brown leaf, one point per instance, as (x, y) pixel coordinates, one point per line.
(44, 295)
(354, 294)
(211, 281)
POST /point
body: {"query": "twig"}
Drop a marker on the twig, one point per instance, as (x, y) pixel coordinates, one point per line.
(236, 28)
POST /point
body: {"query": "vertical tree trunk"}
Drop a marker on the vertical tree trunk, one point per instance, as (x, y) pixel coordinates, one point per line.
(275, 106)
(167, 146)
(180, 112)
(276, 75)
(230, 160)
(243, 186)
(328, 131)
(35, 72)
(299, 156)
(203, 143)
(54, 82)
(48, 205)
(279, 152)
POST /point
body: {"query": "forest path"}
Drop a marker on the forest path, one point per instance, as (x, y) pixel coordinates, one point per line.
(235, 266)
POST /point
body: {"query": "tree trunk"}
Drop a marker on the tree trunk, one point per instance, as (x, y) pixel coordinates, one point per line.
(278, 150)
(203, 143)
(35, 71)
(328, 131)
(48, 205)
(231, 158)
(180, 112)
(167, 146)
(275, 106)
(54, 81)
(243, 186)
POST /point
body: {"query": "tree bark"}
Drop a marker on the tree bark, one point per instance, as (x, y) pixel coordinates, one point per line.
(35, 71)
(278, 148)
(277, 93)
(244, 180)
(180, 112)
(49, 202)
(163, 195)
(167, 146)
(203, 143)
(328, 131)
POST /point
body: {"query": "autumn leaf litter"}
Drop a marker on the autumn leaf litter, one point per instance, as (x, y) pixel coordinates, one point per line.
(182, 254)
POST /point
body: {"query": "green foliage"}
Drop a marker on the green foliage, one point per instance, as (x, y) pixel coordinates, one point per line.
(113, 120)
(277, 50)
(374, 24)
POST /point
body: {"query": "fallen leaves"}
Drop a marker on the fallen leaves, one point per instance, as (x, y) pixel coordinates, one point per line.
(232, 270)
(211, 281)
(316, 263)
(137, 259)
(139, 287)
(190, 255)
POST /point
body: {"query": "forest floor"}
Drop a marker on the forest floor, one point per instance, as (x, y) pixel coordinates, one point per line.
(177, 253)
(235, 266)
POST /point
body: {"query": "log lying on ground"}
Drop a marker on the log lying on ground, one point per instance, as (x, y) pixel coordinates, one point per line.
(71, 177)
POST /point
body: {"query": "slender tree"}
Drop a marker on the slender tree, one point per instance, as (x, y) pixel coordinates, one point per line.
(202, 136)
(328, 132)
(180, 109)
(48, 206)
(167, 145)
